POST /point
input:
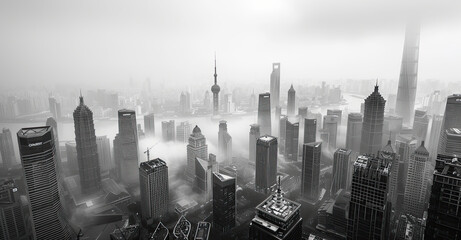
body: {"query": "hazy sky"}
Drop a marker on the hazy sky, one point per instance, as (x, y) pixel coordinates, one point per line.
(104, 43)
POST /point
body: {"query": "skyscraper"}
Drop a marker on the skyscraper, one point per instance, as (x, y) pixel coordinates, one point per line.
(406, 93)
(184, 103)
(415, 189)
(223, 202)
(126, 147)
(253, 137)
(215, 90)
(52, 123)
(330, 124)
(55, 107)
(310, 171)
(310, 129)
(153, 179)
(291, 103)
(405, 146)
(224, 143)
(6, 148)
(266, 163)
(341, 159)
(72, 162)
(37, 150)
(372, 128)
(168, 131)
(443, 218)
(354, 131)
(104, 154)
(291, 141)
(182, 132)
(282, 133)
(277, 218)
(275, 86)
(336, 112)
(388, 154)
(87, 152)
(12, 220)
(452, 116)
(420, 125)
(204, 169)
(302, 112)
(369, 210)
(450, 142)
(434, 137)
(149, 125)
(197, 148)
(264, 113)
(393, 125)
(276, 125)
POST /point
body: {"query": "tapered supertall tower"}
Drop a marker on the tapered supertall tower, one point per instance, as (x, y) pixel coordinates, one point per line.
(215, 89)
(406, 93)
(373, 121)
(275, 85)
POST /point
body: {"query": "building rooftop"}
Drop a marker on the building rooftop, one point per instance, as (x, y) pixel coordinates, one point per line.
(371, 164)
(313, 144)
(266, 138)
(203, 231)
(151, 165)
(223, 177)
(33, 132)
(454, 131)
(451, 166)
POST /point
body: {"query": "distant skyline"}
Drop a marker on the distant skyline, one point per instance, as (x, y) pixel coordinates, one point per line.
(108, 42)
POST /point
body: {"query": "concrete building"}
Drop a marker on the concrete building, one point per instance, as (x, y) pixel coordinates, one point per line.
(450, 142)
(253, 137)
(104, 154)
(310, 171)
(197, 148)
(149, 125)
(126, 147)
(341, 170)
(336, 112)
(224, 204)
(183, 132)
(264, 113)
(153, 179)
(266, 163)
(168, 131)
(420, 125)
(6, 148)
(13, 222)
(354, 131)
(330, 124)
(224, 143)
(291, 141)
(204, 169)
(373, 119)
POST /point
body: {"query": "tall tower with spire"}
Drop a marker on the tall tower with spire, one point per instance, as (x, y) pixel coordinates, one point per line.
(215, 90)
(373, 122)
(291, 102)
(87, 152)
(406, 93)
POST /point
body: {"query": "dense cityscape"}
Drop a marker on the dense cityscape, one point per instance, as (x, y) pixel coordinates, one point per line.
(279, 159)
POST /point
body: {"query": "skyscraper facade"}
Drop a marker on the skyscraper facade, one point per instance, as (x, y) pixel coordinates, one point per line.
(52, 123)
(452, 116)
(197, 148)
(336, 112)
(310, 171)
(149, 125)
(71, 154)
(204, 169)
(223, 202)
(450, 142)
(12, 221)
(55, 107)
(291, 141)
(264, 113)
(183, 132)
(434, 136)
(389, 154)
(282, 133)
(87, 152)
(215, 90)
(330, 124)
(354, 131)
(276, 218)
(224, 143)
(341, 160)
(310, 130)
(126, 147)
(291, 102)
(275, 86)
(168, 131)
(373, 119)
(369, 210)
(153, 179)
(104, 154)
(406, 93)
(302, 112)
(443, 218)
(415, 189)
(266, 163)
(420, 125)
(253, 137)
(6, 148)
(37, 150)
(405, 147)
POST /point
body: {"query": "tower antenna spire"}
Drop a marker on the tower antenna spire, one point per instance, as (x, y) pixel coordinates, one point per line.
(215, 74)
(81, 97)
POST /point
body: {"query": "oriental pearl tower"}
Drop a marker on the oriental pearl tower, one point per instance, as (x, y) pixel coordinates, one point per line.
(215, 89)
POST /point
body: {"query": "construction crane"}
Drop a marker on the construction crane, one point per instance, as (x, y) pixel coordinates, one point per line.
(148, 151)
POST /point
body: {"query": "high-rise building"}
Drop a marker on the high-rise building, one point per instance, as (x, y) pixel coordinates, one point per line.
(264, 113)
(452, 116)
(12, 221)
(104, 154)
(204, 169)
(291, 141)
(126, 147)
(184, 103)
(266, 163)
(277, 218)
(275, 86)
(55, 107)
(87, 152)
(153, 179)
(197, 148)
(223, 202)
(310, 130)
(406, 93)
(388, 154)
(434, 137)
(276, 125)
(72, 162)
(310, 171)
(354, 131)
(415, 189)
(6, 148)
(420, 125)
(372, 128)
(224, 143)
(253, 137)
(52, 123)
(37, 150)
(302, 112)
(443, 218)
(405, 145)
(282, 133)
(336, 112)
(393, 125)
(291, 102)
(149, 125)
(341, 160)
(332, 214)
(450, 142)
(215, 90)
(168, 131)
(183, 132)
(330, 124)
(369, 210)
